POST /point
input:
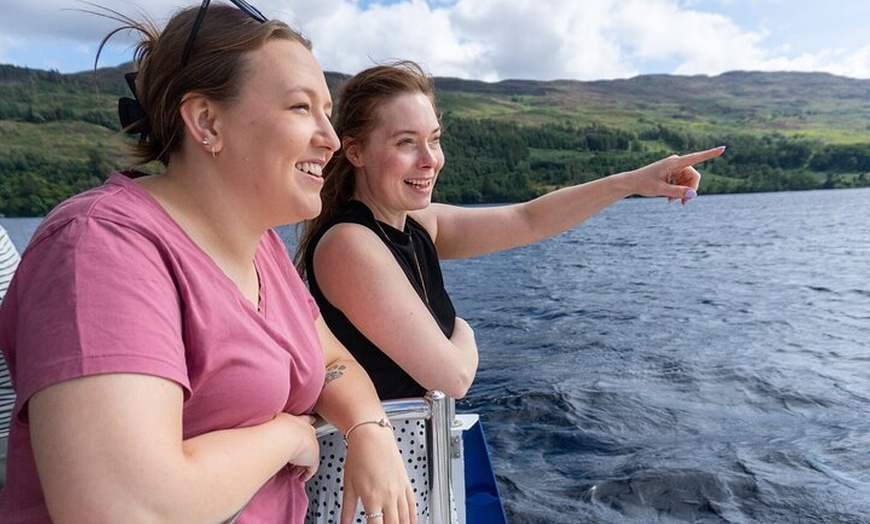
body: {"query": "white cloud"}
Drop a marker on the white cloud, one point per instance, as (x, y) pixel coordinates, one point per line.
(695, 42)
(541, 39)
(499, 39)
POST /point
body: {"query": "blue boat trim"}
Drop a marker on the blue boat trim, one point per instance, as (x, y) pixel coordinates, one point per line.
(483, 504)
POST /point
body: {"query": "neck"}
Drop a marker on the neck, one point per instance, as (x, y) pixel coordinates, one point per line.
(217, 231)
(395, 219)
(205, 211)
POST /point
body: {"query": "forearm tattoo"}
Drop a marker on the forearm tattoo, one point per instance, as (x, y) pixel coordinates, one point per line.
(333, 372)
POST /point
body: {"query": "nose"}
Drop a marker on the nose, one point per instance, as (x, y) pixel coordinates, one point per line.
(428, 156)
(328, 135)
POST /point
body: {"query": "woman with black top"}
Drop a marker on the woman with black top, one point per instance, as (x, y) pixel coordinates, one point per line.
(371, 257)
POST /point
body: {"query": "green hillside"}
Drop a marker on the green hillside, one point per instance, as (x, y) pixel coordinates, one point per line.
(814, 105)
(504, 141)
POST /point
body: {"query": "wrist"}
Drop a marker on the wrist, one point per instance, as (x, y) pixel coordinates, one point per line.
(623, 184)
(383, 422)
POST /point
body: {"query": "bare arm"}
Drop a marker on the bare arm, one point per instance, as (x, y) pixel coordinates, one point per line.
(109, 448)
(374, 471)
(359, 275)
(466, 232)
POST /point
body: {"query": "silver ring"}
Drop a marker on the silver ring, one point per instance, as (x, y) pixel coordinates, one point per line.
(377, 515)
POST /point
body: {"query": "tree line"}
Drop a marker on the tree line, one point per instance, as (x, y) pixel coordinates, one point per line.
(492, 161)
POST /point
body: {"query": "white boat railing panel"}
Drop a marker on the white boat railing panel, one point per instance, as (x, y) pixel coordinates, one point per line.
(436, 410)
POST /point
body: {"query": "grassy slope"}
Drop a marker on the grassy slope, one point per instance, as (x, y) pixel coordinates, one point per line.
(815, 105)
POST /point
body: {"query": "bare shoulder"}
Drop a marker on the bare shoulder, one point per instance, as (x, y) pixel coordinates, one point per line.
(434, 217)
(345, 238)
(356, 270)
(348, 246)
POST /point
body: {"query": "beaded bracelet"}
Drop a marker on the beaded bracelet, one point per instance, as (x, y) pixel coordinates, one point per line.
(382, 422)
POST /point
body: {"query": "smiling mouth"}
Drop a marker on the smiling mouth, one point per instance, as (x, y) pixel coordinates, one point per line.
(420, 184)
(311, 168)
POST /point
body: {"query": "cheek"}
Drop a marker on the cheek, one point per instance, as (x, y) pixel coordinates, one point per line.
(393, 165)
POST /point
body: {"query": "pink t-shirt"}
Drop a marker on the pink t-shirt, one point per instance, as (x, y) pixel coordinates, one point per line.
(110, 284)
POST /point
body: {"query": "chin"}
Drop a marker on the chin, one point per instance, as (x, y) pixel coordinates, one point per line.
(423, 204)
(315, 209)
(304, 211)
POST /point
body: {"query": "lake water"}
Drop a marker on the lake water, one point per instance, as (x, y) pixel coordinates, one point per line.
(706, 363)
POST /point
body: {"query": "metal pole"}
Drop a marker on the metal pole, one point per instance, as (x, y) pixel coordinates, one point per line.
(439, 458)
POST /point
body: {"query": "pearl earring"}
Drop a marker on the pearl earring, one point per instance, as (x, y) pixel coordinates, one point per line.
(205, 141)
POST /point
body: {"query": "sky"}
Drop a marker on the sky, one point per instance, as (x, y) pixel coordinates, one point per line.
(492, 40)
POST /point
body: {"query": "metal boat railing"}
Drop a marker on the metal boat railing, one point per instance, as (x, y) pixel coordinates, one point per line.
(437, 409)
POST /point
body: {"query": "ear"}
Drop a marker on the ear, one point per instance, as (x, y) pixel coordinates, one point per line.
(353, 152)
(199, 115)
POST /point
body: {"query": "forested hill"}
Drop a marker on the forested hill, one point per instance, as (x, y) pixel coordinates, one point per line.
(504, 141)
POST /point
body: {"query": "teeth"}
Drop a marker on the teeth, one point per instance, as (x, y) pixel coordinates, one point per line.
(310, 168)
(422, 184)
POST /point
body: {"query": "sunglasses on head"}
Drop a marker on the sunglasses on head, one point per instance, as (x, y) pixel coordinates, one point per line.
(244, 6)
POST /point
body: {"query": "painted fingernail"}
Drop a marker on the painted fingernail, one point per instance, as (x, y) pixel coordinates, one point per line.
(690, 193)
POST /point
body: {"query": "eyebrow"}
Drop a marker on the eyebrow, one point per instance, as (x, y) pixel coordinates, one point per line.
(312, 93)
(412, 132)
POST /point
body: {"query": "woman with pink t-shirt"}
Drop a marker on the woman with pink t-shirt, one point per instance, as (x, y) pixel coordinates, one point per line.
(165, 354)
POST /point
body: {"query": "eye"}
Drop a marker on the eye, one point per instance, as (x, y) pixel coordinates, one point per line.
(301, 107)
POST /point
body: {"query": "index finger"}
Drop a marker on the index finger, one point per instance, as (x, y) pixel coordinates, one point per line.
(698, 157)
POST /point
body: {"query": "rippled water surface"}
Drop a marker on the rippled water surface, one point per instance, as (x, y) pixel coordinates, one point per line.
(661, 363)
(706, 363)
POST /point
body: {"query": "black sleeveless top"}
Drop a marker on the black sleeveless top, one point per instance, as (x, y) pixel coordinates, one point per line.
(389, 379)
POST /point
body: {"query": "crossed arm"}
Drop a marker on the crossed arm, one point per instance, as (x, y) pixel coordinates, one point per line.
(374, 471)
(109, 448)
